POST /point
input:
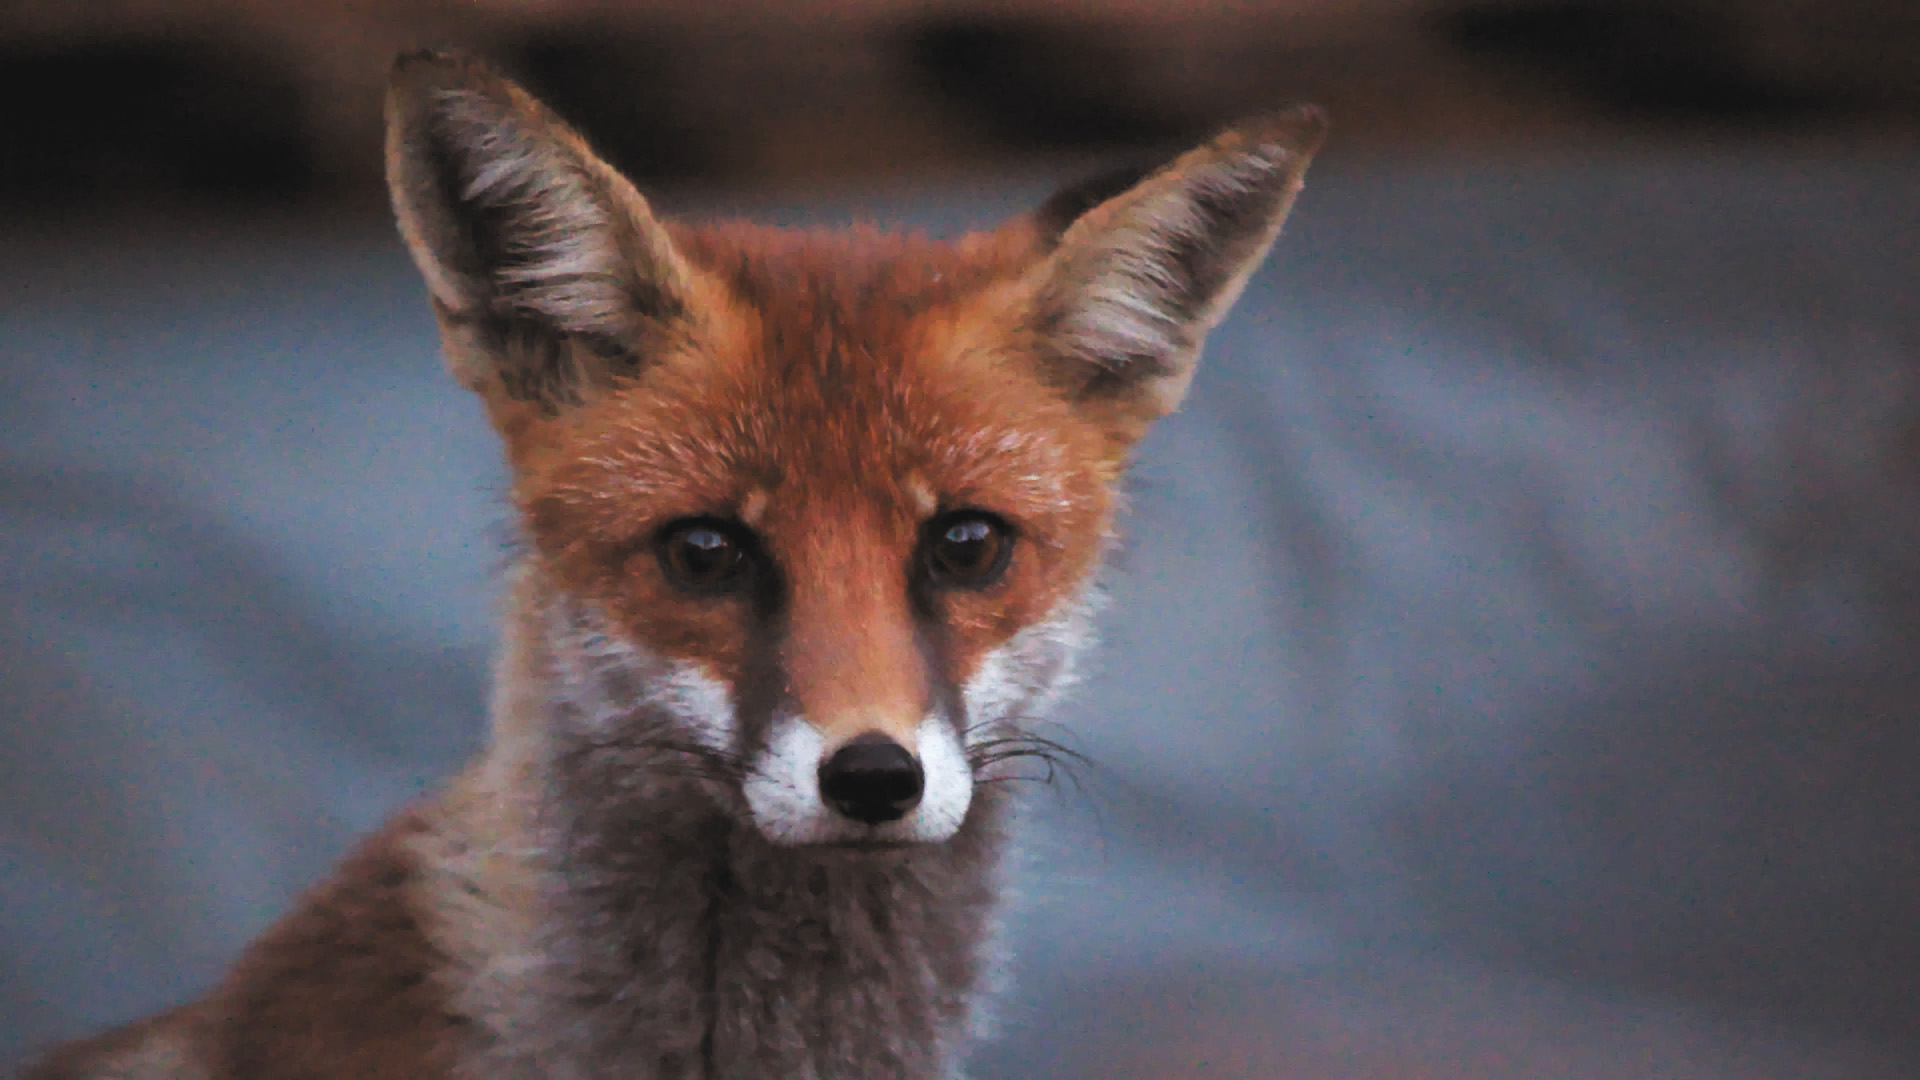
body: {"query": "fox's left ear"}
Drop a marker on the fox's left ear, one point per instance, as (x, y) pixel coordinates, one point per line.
(1132, 285)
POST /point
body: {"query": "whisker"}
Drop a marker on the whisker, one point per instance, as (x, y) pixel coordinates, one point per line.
(1056, 759)
(668, 753)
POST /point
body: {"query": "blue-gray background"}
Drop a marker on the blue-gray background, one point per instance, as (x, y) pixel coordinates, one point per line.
(1511, 671)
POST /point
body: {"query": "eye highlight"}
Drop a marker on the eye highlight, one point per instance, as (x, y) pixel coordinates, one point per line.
(706, 554)
(966, 549)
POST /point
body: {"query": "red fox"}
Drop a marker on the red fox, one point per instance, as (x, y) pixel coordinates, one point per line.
(811, 522)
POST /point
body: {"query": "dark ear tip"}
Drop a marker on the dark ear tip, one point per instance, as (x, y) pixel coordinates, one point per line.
(423, 68)
(414, 64)
(1297, 129)
(423, 56)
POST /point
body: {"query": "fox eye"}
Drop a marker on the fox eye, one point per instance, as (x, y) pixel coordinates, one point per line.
(705, 555)
(967, 548)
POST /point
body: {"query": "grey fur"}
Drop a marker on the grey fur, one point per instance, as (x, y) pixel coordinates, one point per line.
(671, 941)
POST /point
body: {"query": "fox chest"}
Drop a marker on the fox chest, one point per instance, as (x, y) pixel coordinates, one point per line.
(817, 975)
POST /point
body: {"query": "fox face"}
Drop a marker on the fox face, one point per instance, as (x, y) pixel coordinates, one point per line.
(833, 512)
(814, 516)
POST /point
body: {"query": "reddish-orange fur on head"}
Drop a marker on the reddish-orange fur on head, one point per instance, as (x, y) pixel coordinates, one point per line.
(836, 389)
(842, 380)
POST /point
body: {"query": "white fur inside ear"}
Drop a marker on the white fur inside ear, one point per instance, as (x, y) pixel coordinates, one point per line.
(1136, 284)
(558, 257)
(1140, 301)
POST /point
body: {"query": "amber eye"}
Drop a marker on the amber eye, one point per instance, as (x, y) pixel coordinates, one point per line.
(705, 554)
(968, 548)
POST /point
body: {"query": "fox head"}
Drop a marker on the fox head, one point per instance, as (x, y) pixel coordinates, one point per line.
(814, 515)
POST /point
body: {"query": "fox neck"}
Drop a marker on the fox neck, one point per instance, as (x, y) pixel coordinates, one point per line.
(626, 920)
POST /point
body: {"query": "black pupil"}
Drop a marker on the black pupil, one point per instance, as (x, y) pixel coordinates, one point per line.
(968, 532)
(967, 546)
(707, 552)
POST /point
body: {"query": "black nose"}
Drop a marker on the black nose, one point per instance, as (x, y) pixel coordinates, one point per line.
(872, 779)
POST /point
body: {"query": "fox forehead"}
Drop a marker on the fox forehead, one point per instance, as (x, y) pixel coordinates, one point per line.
(856, 376)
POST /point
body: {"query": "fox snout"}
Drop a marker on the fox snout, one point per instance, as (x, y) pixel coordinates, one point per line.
(877, 787)
(872, 780)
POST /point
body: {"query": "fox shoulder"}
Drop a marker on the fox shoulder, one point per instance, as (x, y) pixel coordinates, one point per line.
(346, 986)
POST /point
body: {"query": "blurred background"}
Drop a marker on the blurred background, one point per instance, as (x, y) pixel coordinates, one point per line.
(1512, 668)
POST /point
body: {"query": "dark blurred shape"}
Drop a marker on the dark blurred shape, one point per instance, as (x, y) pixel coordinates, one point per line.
(619, 89)
(1035, 84)
(125, 117)
(1654, 62)
(1068, 204)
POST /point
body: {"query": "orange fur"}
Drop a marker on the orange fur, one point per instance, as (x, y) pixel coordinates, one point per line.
(766, 403)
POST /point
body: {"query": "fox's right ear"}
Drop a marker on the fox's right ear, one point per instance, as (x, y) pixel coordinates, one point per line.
(548, 270)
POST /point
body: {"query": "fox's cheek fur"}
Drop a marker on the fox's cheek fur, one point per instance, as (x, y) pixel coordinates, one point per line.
(621, 694)
(1025, 677)
(623, 700)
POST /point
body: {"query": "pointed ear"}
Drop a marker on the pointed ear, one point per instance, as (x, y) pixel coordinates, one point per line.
(1133, 284)
(548, 270)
